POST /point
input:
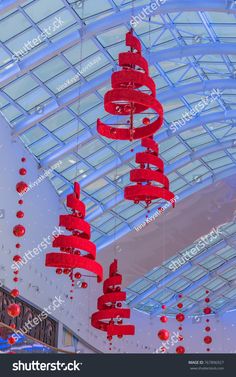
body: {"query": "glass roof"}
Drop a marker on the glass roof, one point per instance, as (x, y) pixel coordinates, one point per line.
(212, 269)
(56, 60)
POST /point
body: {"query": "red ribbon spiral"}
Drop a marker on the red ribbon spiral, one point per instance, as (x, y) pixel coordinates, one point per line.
(149, 192)
(125, 99)
(110, 314)
(72, 246)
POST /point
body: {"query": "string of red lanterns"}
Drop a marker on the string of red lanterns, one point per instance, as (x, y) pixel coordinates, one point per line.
(180, 317)
(110, 314)
(163, 334)
(14, 309)
(207, 310)
(76, 250)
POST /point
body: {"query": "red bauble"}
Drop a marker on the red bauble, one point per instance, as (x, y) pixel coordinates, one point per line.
(180, 317)
(12, 326)
(180, 328)
(208, 339)
(59, 271)
(207, 329)
(13, 310)
(19, 230)
(207, 310)
(163, 319)
(66, 271)
(15, 280)
(163, 307)
(21, 187)
(20, 214)
(17, 258)
(14, 292)
(23, 159)
(207, 299)
(84, 284)
(180, 349)
(11, 340)
(18, 245)
(163, 334)
(22, 171)
(180, 305)
(77, 275)
(180, 338)
(20, 201)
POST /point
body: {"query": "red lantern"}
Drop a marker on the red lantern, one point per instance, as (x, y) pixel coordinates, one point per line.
(13, 310)
(125, 98)
(17, 258)
(180, 317)
(22, 171)
(21, 187)
(68, 258)
(15, 293)
(208, 339)
(20, 214)
(163, 334)
(144, 189)
(180, 350)
(11, 340)
(163, 319)
(108, 317)
(84, 284)
(207, 310)
(19, 230)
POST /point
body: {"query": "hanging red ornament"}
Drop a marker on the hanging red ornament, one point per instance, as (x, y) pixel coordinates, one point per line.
(17, 258)
(163, 334)
(21, 187)
(15, 279)
(11, 340)
(207, 329)
(20, 201)
(84, 284)
(180, 305)
(208, 339)
(125, 98)
(20, 214)
(59, 271)
(69, 245)
(163, 319)
(23, 159)
(180, 350)
(108, 314)
(77, 275)
(22, 171)
(163, 307)
(19, 230)
(14, 292)
(145, 190)
(12, 326)
(13, 310)
(18, 245)
(207, 310)
(180, 317)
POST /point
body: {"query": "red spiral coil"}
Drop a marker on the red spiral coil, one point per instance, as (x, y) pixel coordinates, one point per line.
(144, 174)
(109, 316)
(77, 251)
(125, 99)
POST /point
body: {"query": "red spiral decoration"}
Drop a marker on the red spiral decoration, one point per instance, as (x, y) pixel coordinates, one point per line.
(77, 251)
(110, 312)
(144, 174)
(125, 99)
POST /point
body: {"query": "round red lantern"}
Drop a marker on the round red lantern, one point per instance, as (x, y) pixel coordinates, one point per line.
(21, 187)
(14, 292)
(11, 340)
(13, 310)
(180, 349)
(19, 230)
(163, 334)
(163, 319)
(208, 339)
(20, 214)
(180, 317)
